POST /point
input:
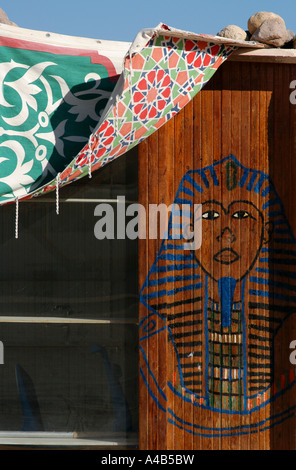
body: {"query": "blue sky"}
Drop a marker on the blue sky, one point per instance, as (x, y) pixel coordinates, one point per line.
(121, 20)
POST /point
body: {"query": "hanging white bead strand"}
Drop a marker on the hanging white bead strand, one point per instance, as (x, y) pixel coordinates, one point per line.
(130, 80)
(16, 217)
(58, 194)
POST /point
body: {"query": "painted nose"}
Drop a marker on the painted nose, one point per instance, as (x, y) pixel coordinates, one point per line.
(227, 236)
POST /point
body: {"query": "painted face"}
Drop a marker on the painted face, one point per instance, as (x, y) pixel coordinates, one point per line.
(231, 238)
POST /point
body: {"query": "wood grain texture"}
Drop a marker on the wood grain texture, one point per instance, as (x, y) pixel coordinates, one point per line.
(243, 111)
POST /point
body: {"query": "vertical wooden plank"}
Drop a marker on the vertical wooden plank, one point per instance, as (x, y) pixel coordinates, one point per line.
(236, 125)
(217, 154)
(226, 110)
(275, 172)
(216, 117)
(207, 156)
(196, 164)
(226, 151)
(262, 165)
(245, 159)
(166, 196)
(251, 163)
(254, 359)
(179, 130)
(268, 71)
(186, 166)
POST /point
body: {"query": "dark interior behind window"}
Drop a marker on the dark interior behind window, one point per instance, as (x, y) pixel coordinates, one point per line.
(69, 312)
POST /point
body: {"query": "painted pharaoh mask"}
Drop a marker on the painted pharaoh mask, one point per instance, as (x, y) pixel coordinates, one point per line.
(221, 304)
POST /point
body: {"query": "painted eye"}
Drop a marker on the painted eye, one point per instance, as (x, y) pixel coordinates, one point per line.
(241, 215)
(210, 215)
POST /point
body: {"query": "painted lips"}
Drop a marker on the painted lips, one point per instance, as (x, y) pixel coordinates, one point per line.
(226, 256)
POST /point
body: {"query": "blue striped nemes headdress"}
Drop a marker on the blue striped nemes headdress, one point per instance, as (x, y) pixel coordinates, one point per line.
(180, 289)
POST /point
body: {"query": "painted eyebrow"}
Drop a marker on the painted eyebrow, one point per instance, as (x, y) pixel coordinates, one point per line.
(249, 203)
(242, 210)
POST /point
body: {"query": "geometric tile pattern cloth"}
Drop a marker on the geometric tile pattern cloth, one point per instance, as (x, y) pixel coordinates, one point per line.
(62, 118)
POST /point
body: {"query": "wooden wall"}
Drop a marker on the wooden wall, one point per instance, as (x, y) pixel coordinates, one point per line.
(244, 111)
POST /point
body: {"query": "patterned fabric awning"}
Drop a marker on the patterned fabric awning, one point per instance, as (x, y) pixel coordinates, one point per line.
(71, 105)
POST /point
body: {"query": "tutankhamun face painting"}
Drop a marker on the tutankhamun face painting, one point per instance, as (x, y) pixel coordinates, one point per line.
(221, 229)
(223, 306)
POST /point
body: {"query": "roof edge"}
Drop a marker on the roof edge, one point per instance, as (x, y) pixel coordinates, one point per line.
(273, 55)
